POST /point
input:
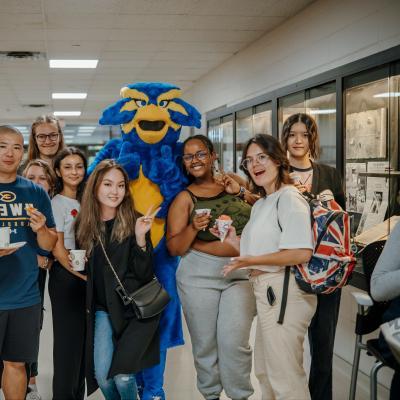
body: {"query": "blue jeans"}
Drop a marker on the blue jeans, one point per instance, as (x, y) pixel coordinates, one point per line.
(122, 386)
(151, 380)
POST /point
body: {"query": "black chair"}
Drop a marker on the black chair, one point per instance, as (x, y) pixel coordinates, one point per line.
(369, 318)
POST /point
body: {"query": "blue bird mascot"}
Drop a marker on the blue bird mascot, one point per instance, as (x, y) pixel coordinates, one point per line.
(151, 116)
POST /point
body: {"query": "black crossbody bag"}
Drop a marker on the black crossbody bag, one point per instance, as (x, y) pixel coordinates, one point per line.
(147, 301)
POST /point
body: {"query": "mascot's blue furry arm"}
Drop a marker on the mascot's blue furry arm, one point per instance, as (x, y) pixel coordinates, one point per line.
(151, 116)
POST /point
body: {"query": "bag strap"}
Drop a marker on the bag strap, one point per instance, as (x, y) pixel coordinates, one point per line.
(285, 292)
(285, 289)
(113, 270)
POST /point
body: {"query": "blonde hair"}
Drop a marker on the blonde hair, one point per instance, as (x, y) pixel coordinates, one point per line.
(48, 171)
(33, 149)
(89, 223)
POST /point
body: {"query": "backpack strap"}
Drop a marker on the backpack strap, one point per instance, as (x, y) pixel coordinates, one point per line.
(285, 292)
(285, 289)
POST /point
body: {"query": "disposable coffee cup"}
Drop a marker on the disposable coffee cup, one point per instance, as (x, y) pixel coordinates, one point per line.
(4, 237)
(78, 259)
(201, 211)
(223, 228)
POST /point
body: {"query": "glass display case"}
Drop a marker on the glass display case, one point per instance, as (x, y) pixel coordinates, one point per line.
(371, 149)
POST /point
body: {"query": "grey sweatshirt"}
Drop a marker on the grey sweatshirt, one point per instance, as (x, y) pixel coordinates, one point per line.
(385, 280)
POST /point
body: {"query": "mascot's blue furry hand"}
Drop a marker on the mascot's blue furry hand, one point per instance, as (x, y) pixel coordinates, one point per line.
(129, 159)
(166, 173)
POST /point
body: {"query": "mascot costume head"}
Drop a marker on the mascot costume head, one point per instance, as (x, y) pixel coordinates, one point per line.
(151, 115)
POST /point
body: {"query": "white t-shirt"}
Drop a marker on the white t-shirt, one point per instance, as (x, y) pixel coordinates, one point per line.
(262, 235)
(65, 211)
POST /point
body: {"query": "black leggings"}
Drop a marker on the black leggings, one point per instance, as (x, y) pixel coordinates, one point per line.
(67, 294)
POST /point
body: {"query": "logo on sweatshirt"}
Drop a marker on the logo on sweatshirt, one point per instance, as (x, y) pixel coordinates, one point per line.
(7, 196)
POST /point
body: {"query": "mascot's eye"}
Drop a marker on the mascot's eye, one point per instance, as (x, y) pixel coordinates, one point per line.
(140, 103)
(164, 103)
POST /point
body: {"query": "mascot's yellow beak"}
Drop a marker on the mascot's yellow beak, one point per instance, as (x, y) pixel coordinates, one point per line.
(151, 123)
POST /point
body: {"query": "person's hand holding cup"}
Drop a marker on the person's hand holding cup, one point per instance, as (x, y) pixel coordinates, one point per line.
(77, 259)
(201, 219)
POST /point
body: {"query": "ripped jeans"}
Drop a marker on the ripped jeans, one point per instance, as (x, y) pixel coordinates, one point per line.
(122, 386)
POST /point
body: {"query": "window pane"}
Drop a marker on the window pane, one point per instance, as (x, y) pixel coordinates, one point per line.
(244, 131)
(321, 105)
(262, 119)
(226, 155)
(288, 105)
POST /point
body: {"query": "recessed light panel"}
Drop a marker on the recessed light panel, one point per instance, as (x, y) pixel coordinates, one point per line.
(73, 63)
(67, 113)
(68, 95)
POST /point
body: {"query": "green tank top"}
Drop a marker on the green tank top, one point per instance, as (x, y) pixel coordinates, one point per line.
(223, 203)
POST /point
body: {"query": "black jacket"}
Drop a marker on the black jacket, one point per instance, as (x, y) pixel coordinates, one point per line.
(136, 342)
(326, 177)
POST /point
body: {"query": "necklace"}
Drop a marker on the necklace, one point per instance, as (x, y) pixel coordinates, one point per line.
(308, 177)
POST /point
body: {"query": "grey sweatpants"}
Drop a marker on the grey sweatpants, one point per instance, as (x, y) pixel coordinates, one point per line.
(219, 312)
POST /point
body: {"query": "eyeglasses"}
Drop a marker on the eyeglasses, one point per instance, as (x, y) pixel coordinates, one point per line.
(261, 158)
(200, 155)
(51, 136)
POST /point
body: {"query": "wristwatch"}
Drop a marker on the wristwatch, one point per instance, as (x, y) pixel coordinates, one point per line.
(241, 193)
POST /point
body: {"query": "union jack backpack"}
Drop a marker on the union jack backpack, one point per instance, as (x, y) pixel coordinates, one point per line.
(332, 261)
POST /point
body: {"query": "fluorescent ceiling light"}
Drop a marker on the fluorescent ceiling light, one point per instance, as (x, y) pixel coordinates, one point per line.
(73, 63)
(323, 111)
(85, 128)
(84, 134)
(69, 130)
(69, 136)
(67, 113)
(388, 94)
(68, 95)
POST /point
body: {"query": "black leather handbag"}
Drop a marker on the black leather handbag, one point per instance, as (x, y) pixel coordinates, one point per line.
(147, 301)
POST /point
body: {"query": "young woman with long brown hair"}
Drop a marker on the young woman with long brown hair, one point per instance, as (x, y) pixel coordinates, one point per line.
(118, 344)
(278, 234)
(300, 138)
(46, 139)
(67, 288)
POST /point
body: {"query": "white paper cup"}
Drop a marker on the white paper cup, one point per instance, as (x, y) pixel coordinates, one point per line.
(201, 211)
(5, 236)
(78, 259)
(223, 227)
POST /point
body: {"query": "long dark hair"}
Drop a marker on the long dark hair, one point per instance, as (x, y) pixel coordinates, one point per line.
(312, 130)
(69, 151)
(89, 223)
(274, 150)
(203, 139)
